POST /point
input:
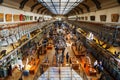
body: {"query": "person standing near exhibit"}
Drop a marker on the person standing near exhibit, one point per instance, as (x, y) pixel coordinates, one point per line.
(95, 64)
(67, 56)
(20, 64)
(100, 67)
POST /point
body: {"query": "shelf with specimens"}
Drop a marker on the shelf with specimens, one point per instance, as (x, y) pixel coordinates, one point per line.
(13, 38)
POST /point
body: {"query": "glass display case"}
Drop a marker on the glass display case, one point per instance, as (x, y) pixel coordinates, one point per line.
(9, 40)
(3, 43)
(17, 36)
(13, 38)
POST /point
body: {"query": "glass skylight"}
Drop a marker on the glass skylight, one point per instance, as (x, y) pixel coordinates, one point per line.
(60, 6)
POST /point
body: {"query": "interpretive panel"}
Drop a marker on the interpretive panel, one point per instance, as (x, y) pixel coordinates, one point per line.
(114, 17)
(92, 18)
(1, 17)
(8, 17)
(16, 17)
(103, 17)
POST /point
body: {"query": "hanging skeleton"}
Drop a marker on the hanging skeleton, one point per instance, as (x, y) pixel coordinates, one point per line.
(60, 42)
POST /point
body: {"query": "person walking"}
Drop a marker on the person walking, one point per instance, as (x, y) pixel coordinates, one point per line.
(100, 67)
(67, 56)
(41, 69)
(95, 64)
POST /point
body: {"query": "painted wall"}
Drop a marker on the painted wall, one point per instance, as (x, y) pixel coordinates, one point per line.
(97, 14)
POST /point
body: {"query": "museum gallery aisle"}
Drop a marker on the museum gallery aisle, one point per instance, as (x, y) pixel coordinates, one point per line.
(60, 73)
(50, 53)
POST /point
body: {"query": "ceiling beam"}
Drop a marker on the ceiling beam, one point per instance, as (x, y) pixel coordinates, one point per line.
(97, 3)
(118, 1)
(1, 1)
(46, 11)
(22, 4)
(86, 6)
(54, 6)
(42, 11)
(67, 14)
(80, 9)
(65, 6)
(72, 12)
(36, 4)
(77, 10)
(39, 9)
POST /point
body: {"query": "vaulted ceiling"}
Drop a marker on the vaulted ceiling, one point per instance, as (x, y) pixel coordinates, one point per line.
(37, 6)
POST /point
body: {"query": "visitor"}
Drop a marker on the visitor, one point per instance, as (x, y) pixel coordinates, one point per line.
(20, 64)
(20, 67)
(100, 67)
(63, 50)
(56, 55)
(56, 49)
(41, 70)
(40, 49)
(10, 70)
(67, 56)
(95, 64)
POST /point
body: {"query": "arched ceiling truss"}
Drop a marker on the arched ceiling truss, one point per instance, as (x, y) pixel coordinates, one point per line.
(81, 8)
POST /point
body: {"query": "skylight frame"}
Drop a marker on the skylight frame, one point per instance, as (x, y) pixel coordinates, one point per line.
(60, 6)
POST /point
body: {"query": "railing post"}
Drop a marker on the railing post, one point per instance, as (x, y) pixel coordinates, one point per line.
(48, 73)
(71, 73)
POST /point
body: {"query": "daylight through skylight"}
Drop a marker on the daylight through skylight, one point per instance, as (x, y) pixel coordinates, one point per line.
(60, 6)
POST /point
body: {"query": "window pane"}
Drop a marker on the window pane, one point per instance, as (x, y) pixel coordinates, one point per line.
(46, 0)
(63, 4)
(57, 7)
(49, 4)
(64, 0)
(72, 0)
(79, 0)
(56, 4)
(54, 0)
